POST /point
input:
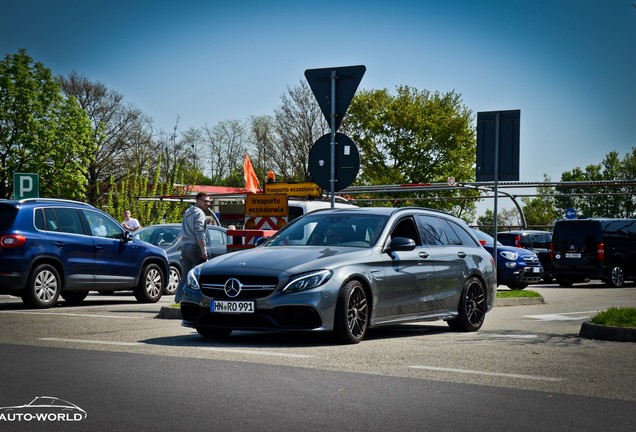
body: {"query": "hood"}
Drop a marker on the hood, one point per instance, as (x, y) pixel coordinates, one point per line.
(293, 260)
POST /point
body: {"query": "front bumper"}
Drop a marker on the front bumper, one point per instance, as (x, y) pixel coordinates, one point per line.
(308, 310)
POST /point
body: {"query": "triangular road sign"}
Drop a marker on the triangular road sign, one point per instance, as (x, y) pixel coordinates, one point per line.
(347, 80)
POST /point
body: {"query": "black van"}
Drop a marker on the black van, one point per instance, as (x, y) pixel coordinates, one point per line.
(584, 249)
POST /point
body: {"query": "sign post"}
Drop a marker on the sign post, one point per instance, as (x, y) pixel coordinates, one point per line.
(326, 84)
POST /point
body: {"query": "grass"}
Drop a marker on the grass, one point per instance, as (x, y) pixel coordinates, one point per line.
(616, 317)
(175, 305)
(517, 294)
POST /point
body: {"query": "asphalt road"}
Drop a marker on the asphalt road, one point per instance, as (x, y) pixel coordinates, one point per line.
(526, 369)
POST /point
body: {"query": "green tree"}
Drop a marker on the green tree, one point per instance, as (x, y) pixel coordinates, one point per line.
(540, 211)
(414, 137)
(506, 219)
(600, 201)
(41, 131)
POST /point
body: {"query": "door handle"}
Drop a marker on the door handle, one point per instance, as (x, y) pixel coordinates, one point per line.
(424, 255)
(461, 254)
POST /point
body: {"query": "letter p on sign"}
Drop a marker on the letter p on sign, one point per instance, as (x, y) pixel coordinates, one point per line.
(26, 185)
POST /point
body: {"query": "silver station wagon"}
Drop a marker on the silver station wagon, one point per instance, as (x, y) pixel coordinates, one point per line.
(345, 271)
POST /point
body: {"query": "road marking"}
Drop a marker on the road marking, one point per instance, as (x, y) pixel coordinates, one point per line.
(265, 353)
(512, 336)
(230, 350)
(474, 372)
(71, 314)
(562, 316)
(96, 342)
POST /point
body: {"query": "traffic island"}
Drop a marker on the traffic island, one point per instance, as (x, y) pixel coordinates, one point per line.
(609, 333)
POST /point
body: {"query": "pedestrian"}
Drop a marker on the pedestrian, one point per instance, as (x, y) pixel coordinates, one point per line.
(194, 250)
(130, 223)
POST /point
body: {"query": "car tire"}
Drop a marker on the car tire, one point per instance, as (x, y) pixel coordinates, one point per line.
(173, 281)
(547, 279)
(472, 307)
(352, 313)
(151, 284)
(43, 288)
(74, 297)
(213, 333)
(616, 277)
(565, 283)
(517, 286)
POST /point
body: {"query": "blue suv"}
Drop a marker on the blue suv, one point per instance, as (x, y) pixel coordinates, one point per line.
(516, 267)
(51, 248)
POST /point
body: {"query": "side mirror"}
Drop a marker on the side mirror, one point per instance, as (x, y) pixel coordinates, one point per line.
(401, 244)
(127, 237)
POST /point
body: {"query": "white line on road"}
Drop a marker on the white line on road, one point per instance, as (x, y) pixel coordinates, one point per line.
(505, 375)
(562, 316)
(96, 342)
(230, 350)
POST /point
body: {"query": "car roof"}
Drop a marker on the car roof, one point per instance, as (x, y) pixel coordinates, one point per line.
(383, 211)
(44, 201)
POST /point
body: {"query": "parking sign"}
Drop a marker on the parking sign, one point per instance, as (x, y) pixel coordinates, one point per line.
(26, 185)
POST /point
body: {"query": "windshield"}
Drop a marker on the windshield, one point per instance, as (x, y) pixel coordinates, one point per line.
(329, 229)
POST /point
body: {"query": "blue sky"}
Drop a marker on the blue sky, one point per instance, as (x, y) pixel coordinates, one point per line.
(569, 66)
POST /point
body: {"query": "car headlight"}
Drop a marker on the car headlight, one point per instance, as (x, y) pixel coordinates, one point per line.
(192, 279)
(305, 281)
(512, 256)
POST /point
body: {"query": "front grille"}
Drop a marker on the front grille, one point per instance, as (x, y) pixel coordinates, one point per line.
(530, 260)
(252, 287)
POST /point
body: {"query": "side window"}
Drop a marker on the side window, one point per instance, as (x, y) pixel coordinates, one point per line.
(406, 228)
(431, 231)
(464, 237)
(453, 238)
(216, 238)
(39, 219)
(100, 225)
(68, 220)
(45, 219)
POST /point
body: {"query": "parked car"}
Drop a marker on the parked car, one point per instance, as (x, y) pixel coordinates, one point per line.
(344, 271)
(533, 240)
(585, 249)
(51, 248)
(168, 237)
(516, 267)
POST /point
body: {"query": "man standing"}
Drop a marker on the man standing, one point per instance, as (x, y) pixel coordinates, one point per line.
(193, 229)
(130, 223)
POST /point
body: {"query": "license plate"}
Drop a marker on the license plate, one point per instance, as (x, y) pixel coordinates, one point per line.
(535, 269)
(225, 306)
(572, 255)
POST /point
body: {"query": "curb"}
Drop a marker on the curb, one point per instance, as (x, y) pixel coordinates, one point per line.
(519, 301)
(169, 313)
(608, 333)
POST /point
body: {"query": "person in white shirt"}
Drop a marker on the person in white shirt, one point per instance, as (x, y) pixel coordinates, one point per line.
(130, 223)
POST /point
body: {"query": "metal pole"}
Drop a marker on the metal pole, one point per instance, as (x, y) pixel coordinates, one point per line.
(333, 138)
(496, 175)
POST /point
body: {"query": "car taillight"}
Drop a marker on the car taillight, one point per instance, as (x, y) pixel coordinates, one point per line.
(518, 241)
(11, 241)
(600, 251)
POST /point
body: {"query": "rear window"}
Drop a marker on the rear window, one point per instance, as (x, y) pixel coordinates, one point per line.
(7, 217)
(575, 233)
